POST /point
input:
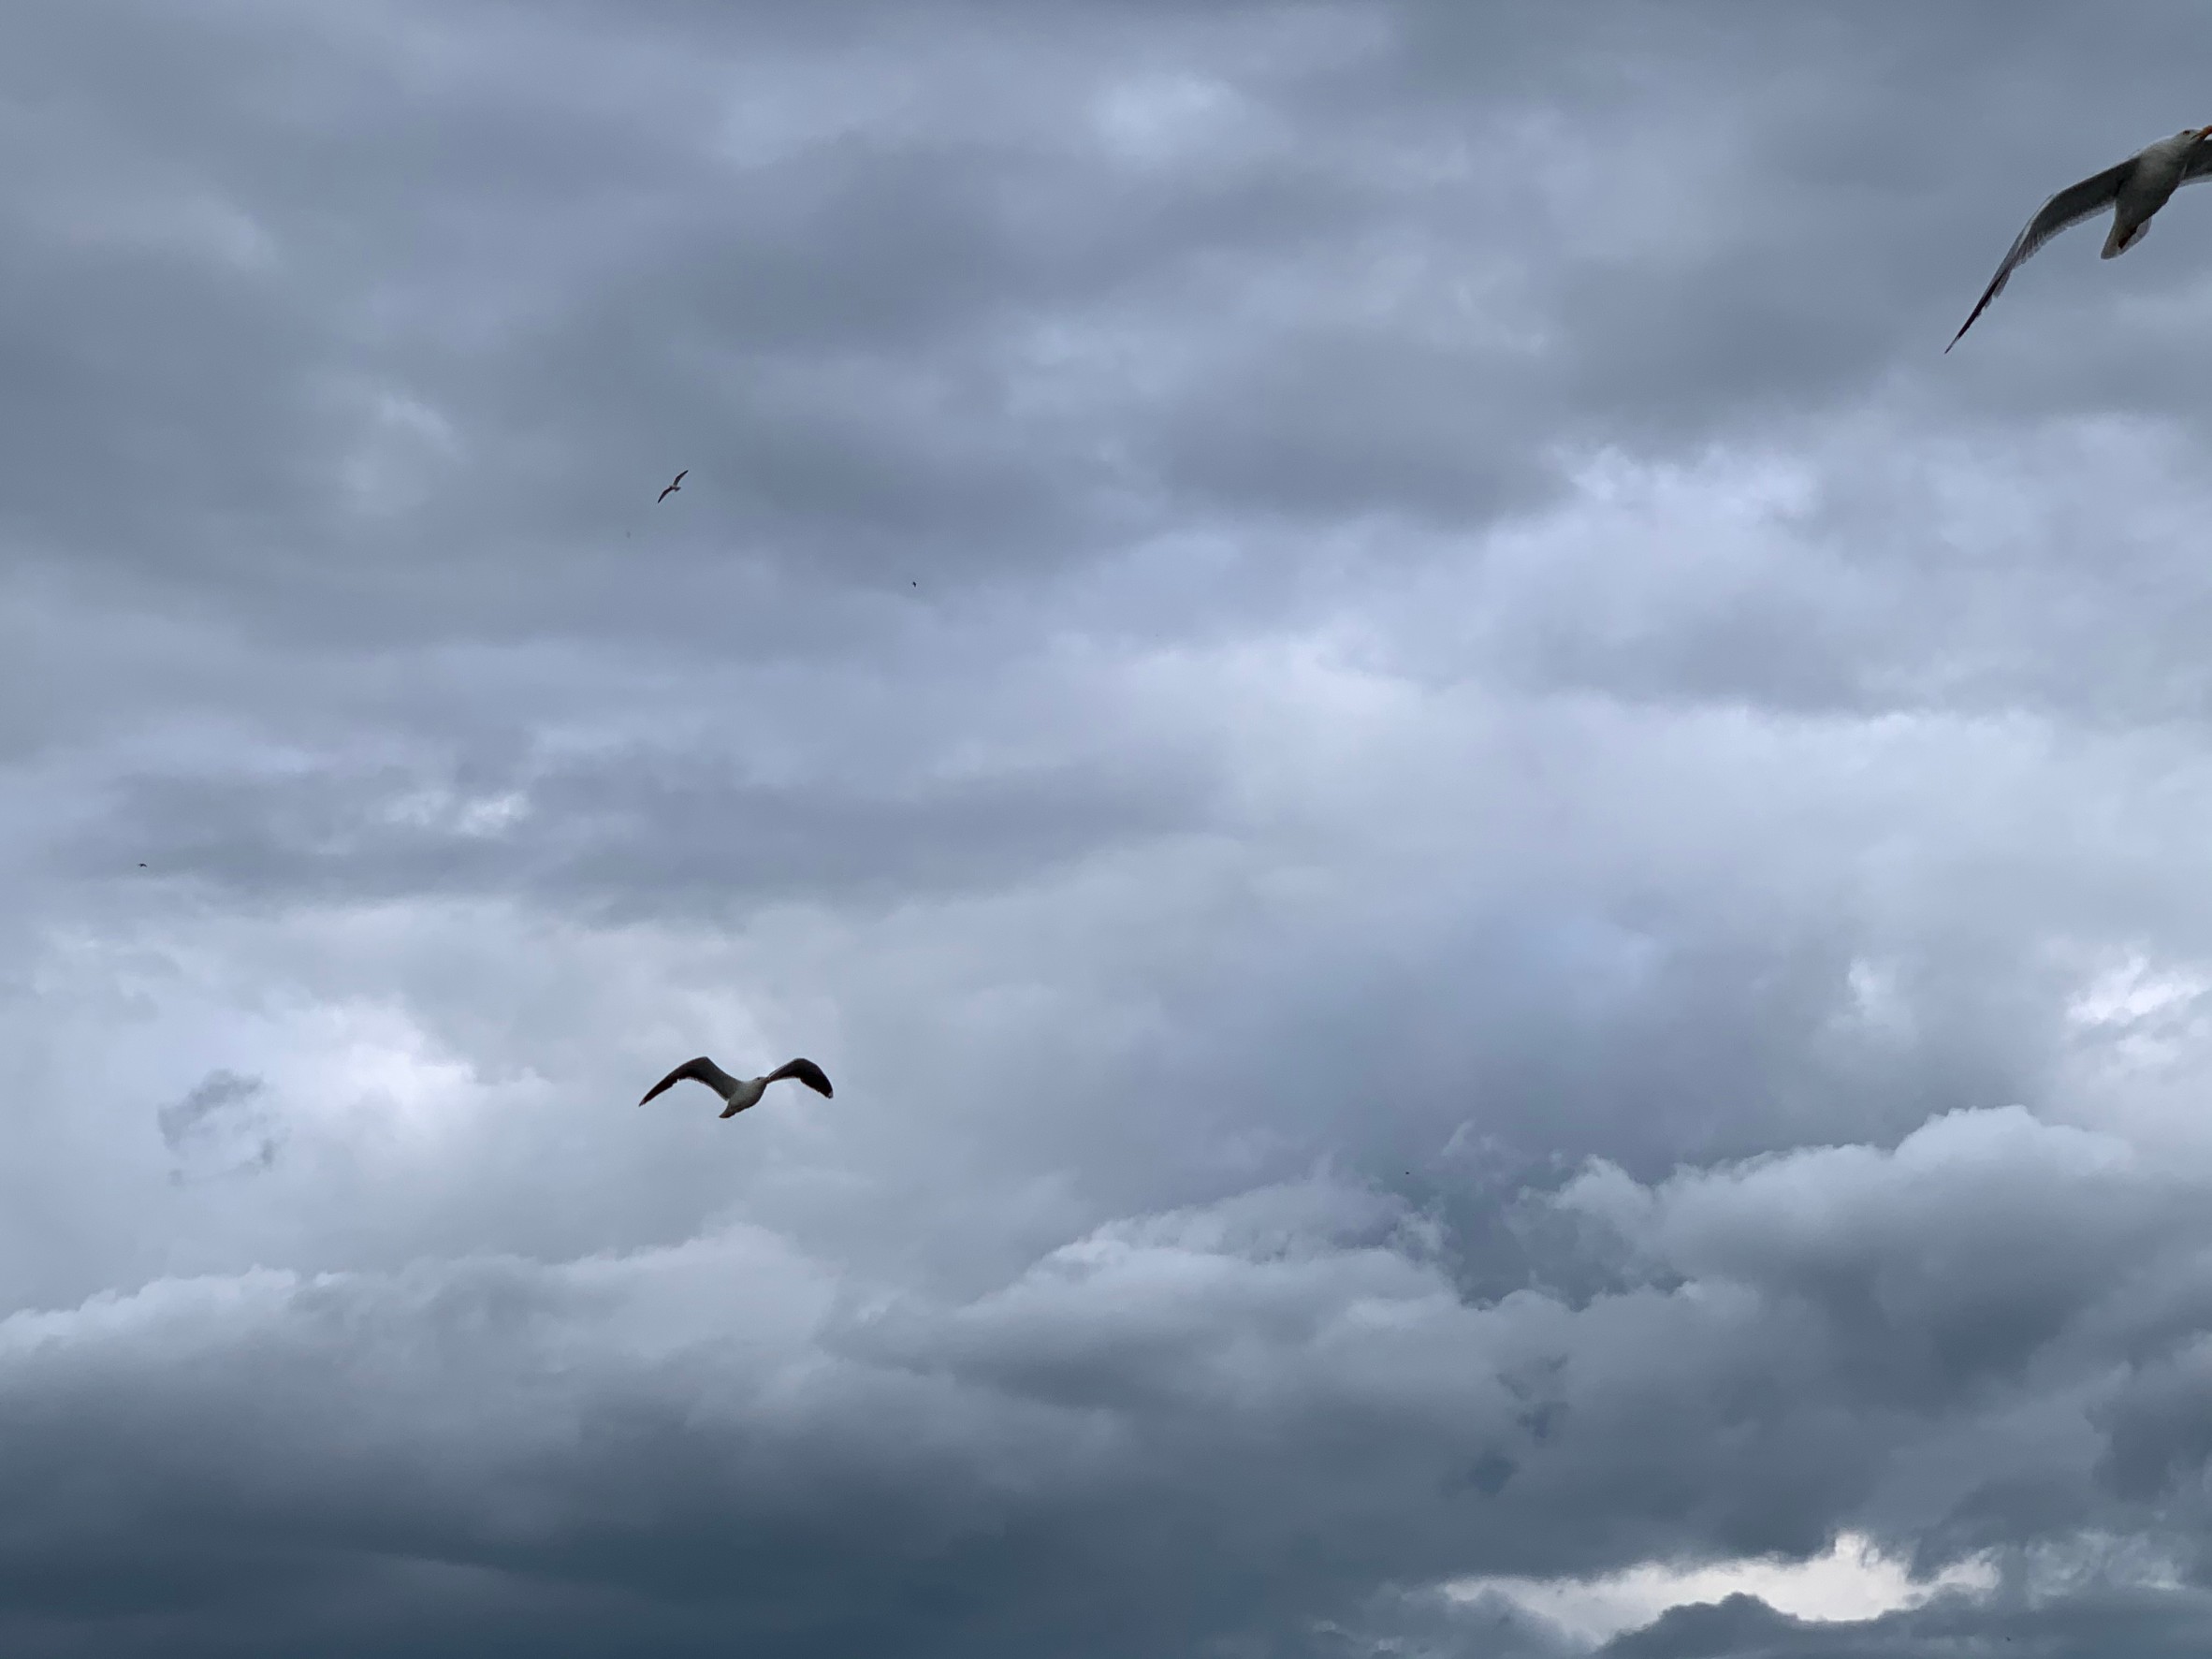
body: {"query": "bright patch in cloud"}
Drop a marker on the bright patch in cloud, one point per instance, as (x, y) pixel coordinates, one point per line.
(1852, 1581)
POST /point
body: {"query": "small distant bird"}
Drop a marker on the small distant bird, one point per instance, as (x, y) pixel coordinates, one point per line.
(740, 1092)
(676, 484)
(2135, 190)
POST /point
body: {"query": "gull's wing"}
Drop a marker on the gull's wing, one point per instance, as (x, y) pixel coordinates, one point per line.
(681, 477)
(699, 1071)
(2070, 207)
(807, 1071)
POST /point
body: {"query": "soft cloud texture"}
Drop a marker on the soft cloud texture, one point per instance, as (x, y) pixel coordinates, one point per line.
(1505, 894)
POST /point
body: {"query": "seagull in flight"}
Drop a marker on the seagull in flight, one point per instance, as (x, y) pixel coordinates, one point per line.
(2135, 190)
(740, 1092)
(675, 485)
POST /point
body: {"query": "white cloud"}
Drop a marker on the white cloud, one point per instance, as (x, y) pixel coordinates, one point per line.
(1852, 1581)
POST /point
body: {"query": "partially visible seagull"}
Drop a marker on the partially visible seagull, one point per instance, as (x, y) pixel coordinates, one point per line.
(677, 484)
(740, 1092)
(2135, 190)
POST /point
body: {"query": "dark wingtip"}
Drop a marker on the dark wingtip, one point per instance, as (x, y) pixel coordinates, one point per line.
(808, 1072)
(690, 1068)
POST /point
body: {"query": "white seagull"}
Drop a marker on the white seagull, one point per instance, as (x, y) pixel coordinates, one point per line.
(2135, 190)
(740, 1092)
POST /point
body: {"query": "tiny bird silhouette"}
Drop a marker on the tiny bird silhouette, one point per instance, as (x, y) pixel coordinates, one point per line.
(674, 485)
(740, 1092)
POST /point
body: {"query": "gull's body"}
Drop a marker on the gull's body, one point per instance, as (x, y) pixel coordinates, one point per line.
(738, 1092)
(2135, 190)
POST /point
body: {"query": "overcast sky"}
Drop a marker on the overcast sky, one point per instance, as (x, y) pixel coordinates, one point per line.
(1507, 896)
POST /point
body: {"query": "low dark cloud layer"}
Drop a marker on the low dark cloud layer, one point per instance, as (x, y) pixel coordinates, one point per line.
(1505, 894)
(735, 1435)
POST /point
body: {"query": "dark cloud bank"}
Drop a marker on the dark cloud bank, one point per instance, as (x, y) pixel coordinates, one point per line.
(1501, 889)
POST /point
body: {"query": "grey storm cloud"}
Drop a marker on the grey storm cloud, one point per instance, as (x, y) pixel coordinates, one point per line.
(1503, 891)
(731, 1439)
(608, 831)
(217, 1128)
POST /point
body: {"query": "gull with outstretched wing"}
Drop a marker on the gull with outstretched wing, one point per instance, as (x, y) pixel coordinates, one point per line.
(740, 1092)
(2135, 190)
